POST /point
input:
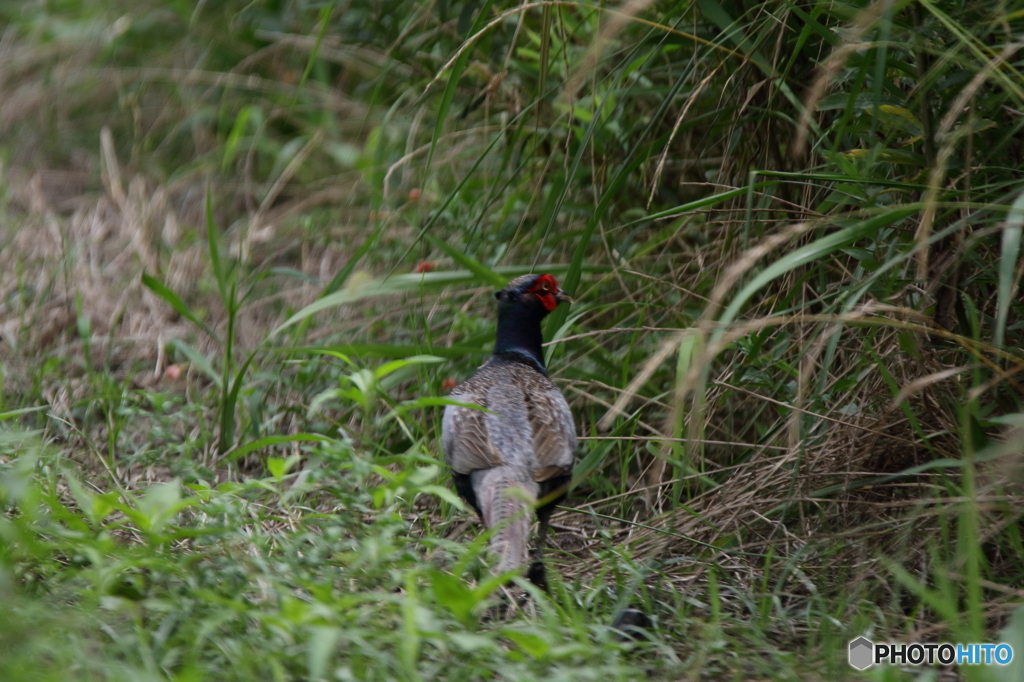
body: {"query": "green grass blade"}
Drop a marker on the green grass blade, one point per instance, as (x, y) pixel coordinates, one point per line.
(484, 273)
(698, 204)
(199, 360)
(405, 283)
(325, 17)
(172, 299)
(212, 240)
(267, 441)
(1008, 266)
(227, 420)
(453, 83)
(576, 267)
(342, 275)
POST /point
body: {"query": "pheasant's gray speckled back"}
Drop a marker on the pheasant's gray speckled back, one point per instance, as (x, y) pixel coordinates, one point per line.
(531, 425)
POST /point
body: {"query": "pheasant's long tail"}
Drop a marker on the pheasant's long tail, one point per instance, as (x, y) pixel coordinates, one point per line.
(507, 501)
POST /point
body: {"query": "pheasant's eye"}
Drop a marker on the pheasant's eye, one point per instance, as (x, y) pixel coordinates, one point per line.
(545, 287)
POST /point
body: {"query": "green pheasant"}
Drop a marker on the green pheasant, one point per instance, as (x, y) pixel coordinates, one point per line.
(522, 450)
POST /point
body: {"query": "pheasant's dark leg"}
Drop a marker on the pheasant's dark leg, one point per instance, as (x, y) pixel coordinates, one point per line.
(544, 515)
(464, 487)
(537, 574)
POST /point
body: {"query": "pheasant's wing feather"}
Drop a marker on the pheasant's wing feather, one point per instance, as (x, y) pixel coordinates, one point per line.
(554, 434)
(467, 445)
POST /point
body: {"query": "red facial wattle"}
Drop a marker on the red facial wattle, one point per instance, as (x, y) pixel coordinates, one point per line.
(545, 288)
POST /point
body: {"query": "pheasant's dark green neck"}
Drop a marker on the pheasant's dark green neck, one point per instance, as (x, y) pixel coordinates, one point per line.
(519, 336)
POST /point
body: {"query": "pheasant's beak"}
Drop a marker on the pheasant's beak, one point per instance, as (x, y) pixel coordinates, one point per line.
(562, 297)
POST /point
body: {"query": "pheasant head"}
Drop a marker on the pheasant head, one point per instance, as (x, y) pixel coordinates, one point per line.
(521, 306)
(539, 293)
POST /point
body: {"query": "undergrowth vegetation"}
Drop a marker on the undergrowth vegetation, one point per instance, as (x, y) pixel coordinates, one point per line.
(247, 247)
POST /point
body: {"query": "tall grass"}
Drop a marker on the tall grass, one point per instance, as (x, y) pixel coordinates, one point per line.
(792, 232)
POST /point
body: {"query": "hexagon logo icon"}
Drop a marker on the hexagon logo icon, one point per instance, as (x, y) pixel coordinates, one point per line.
(862, 653)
